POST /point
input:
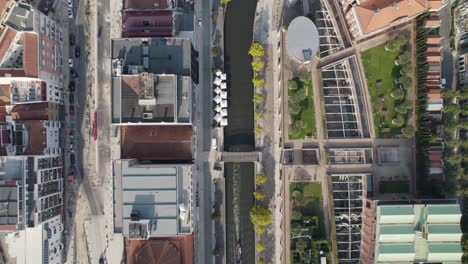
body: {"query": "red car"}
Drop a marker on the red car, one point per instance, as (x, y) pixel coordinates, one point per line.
(95, 126)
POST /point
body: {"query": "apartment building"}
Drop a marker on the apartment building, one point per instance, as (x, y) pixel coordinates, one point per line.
(31, 49)
(370, 17)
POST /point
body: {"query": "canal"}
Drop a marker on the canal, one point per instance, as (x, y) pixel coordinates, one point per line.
(239, 134)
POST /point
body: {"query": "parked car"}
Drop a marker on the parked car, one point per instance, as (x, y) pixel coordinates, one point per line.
(71, 98)
(73, 73)
(72, 148)
(70, 13)
(72, 159)
(71, 86)
(72, 109)
(70, 63)
(72, 39)
(77, 52)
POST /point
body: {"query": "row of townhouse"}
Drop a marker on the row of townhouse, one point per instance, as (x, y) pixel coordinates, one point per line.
(31, 132)
(435, 86)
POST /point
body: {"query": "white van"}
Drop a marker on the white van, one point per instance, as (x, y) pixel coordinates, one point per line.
(214, 143)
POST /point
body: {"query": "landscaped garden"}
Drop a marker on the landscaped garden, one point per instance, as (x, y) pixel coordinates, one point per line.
(400, 186)
(301, 108)
(308, 235)
(388, 71)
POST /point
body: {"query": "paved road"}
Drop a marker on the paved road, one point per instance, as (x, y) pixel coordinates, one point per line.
(77, 27)
(202, 121)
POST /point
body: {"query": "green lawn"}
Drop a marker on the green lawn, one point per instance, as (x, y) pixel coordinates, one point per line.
(394, 186)
(307, 114)
(379, 66)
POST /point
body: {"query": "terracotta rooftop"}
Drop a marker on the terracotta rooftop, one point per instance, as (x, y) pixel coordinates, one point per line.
(4, 94)
(435, 155)
(37, 137)
(433, 49)
(157, 142)
(30, 57)
(147, 23)
(434, 94)
(432, 23)
(435, 4)
(30, 54)
(376, 14)
(433, 40)
(172, 250)
(8, 36)
(433, 57)
(35, 111)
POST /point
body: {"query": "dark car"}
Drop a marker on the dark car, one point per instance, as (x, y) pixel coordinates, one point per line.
(72, 110)
(71, 86)
(73, 73)
(71, 98)
(77, 52)
(72, 39)
(72, 159)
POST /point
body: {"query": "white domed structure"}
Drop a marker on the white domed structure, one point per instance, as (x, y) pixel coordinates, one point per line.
(302, 39)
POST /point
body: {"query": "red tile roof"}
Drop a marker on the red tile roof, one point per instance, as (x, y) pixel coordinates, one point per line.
(182, 243)
(434, 94)
(158, 23)
(30, 55)
(157, 142)
(435, 155)
(8, 36)
(433, 40)
(37, 137)
(375, 14)
(34, 111)
(435, 4)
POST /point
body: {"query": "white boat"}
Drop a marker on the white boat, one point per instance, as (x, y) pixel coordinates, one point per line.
(217, 118)
(217, 81)
(224, 122)
(218, 108)
(224, 112)
(218, 72)
(223, 76)
(224, 103)
(223, 85)
(218, 99)
(223, 95)
(217, 90)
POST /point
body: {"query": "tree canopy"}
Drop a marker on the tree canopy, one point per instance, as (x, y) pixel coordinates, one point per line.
(260, 179)
(260, 215)
(256, 50)
(258, 65)
(259, 195)
(258, 81)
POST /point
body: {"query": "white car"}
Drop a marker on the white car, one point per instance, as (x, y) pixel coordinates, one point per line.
(70, 63)
(70, 13)
(70, 3)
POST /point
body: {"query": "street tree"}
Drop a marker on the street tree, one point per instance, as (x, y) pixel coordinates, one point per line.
(256, 50)
(293, 85)
(260, 215)
(260, 247)
(259, 195)
(453, 109)
(258, 98)
(260, 179)
(408, 131)
(257, 65)
(398, 94)
(296, 215)
(258, 81)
